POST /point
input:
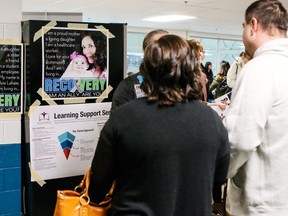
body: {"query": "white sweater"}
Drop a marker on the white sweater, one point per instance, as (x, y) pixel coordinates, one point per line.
(234, 71)
(257, 124)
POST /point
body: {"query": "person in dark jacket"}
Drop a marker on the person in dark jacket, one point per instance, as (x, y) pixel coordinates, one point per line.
(219, 85)
(209, 75)
(154, 146)
(129, 88)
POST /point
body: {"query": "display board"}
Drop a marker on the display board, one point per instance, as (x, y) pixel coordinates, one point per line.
(11, 75)
(71, 71)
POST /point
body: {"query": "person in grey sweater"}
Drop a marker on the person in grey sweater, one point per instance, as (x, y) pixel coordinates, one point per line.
(257, 117)
(129, 88)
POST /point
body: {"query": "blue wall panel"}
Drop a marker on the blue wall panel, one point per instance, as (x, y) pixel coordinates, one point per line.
(10, 179)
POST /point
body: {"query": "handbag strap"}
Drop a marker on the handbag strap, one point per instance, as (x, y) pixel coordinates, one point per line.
(84, 184)
(223, 81)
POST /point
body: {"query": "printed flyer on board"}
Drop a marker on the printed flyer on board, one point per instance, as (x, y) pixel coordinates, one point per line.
(11, 61)
(75, 63)
(63, 138)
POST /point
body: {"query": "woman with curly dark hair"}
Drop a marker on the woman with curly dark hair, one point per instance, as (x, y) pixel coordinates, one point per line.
(171, 77)
(94, 47)
(154, 146)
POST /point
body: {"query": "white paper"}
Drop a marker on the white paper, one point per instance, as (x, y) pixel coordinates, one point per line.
(63, 138)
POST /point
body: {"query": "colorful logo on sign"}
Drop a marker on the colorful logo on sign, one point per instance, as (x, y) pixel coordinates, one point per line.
(66, 140)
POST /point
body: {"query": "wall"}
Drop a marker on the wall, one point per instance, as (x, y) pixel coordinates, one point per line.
(10, 126)
(77, 17)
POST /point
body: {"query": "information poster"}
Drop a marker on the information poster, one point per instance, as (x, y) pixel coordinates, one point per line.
(11, 58)
(75, 63)
(225, 101)
(63, 138)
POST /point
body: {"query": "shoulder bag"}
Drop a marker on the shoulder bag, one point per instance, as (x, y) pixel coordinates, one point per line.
(77, 202)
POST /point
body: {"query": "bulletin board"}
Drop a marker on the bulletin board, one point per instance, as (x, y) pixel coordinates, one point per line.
(64, 86)
(11, 77)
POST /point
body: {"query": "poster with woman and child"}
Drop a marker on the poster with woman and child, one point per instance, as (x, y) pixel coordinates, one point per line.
(75, 63)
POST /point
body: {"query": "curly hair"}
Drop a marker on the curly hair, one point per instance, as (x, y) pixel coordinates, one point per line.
(170, 71)
(100, 42)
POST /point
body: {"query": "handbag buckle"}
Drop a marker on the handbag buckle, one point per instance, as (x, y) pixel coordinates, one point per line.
(84, 199)
(79, 190)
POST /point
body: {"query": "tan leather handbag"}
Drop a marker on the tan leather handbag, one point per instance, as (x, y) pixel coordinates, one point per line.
(77, 202)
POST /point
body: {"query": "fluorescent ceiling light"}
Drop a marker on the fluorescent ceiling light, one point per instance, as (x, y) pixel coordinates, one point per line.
(58, 1)
(168, 18)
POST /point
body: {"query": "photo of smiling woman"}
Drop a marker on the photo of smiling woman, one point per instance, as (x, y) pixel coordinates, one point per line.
(94, 47)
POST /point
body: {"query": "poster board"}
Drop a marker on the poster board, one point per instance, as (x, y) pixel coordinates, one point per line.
(67, 70)
(47, 60)
(11, 78)
(42, 59)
